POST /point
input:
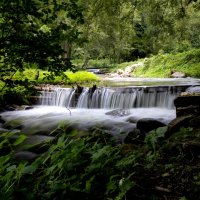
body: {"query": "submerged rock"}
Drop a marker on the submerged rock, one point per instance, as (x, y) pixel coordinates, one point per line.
(118, 113)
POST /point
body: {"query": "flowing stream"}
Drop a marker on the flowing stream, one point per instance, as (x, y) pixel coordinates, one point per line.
(116, 109)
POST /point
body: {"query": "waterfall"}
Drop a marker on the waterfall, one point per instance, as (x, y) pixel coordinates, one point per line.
(58, 97)
(111, 98)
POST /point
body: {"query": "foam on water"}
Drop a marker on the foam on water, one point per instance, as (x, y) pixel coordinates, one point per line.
(43, 118)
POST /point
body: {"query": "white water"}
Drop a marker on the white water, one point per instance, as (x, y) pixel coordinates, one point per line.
(62, 106)
(46, 118)
(111, 98)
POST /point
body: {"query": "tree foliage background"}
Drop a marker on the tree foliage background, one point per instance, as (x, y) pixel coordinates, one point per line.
(50, 33)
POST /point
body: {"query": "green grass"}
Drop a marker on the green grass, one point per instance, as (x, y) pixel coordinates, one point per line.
(80, 77)
(161, 65)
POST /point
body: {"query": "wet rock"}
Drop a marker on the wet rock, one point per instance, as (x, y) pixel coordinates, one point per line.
(183, 111)
(132, 120)
(118, 113)
(25, 155)
(184, 101)
(177, 123)
(134, 137)
(24, 107)
(36, 143)
(29, 107)
(195, 122)
(145, 125)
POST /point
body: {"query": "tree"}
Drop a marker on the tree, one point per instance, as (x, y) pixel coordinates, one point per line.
(32, 32)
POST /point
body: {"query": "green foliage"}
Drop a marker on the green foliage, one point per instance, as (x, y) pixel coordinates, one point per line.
(94, 166)
(32, 33)
(67, 77)
(162, 65)
(154, 137)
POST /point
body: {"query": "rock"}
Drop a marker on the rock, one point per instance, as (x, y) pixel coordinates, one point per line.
(195, 122)
(25, 155)
(193, 89)
(24, 107)
(134, 137)
(177, 75)
(132, 120)
(28, 108)
(2, 121)
(145, 125)
(184, 101)
(183, 111)
(120, 71)
(177, 123)
(36, 143)
(118, 113)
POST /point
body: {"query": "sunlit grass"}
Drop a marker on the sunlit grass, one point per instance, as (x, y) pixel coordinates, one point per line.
(163, 64)
(70, 78)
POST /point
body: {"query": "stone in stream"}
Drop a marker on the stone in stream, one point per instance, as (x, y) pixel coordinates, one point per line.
(145, 125)
(118, 113)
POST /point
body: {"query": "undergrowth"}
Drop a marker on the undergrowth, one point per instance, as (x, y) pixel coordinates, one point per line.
(95, 167)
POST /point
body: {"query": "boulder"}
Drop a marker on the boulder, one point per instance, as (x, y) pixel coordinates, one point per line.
(145, 125)
(184, 101)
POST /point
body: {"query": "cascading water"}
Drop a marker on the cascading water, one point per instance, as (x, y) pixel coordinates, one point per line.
(111, 98)
(115, 110)
(58, 97)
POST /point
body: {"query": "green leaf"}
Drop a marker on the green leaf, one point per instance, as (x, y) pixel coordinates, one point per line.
(12, 167)
(19, 140)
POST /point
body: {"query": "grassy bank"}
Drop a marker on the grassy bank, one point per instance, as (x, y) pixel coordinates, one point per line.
(163, 64)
